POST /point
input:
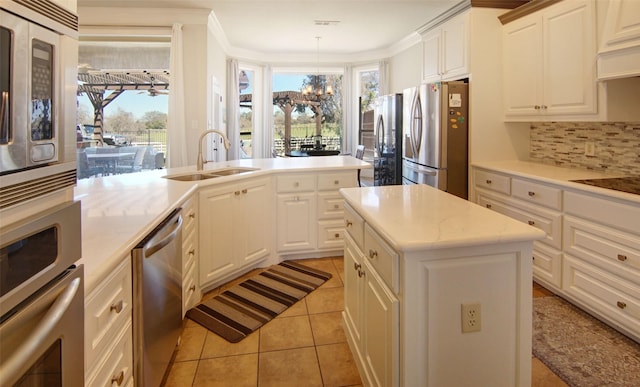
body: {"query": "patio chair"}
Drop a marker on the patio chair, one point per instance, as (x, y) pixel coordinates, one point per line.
(134, 164)
(360, 156)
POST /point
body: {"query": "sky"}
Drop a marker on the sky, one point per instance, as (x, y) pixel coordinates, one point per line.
(138, 104)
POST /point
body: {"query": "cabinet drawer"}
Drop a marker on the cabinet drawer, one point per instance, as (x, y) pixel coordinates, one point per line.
(335, 181)
(189, 212)
(189, 252)
(537, 193)
(547, 264)
(613, 250)
(493, 181)
(330, 205)
(189, 289)
(546, 220)
(611, 212)
(381, 257)
(106, 310)
(117, 367)
(354, 225)
(331, 234)
(610, 296)
(295, 183)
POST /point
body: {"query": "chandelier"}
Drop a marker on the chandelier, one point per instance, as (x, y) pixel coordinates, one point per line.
(315, 90)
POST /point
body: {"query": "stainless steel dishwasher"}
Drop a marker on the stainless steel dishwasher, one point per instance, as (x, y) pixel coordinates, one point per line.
(157, 300)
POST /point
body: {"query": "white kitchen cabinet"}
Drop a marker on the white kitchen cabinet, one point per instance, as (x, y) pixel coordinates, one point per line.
(445, 55)
(371, 313)
(619, 51)
(234, 225)
(191, 292)
(108, 333)
(549, 63)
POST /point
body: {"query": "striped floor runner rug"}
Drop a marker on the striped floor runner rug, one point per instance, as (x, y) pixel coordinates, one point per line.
(245, 307)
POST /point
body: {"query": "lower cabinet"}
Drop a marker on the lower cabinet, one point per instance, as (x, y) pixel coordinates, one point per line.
(108, 331)
(234, 228)
(191, 292)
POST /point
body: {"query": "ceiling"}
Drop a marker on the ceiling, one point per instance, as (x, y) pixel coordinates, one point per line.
(289, 27)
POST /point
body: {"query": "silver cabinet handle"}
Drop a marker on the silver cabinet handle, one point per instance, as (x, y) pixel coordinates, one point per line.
(12, 366)
(118, 379)
(117, 307)
(622, 258)
(373, 254)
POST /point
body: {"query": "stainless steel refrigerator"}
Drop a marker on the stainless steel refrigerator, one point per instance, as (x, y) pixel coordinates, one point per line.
(435, 136)
(387, 131)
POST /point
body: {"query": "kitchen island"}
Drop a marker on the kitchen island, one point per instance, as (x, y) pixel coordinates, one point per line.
(432, 282)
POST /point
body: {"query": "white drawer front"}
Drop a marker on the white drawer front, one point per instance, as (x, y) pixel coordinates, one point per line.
(382, 258)
(189, 252)
(330, 205)
(189, 290)
(189, 212)
(331, 234)
(548, 221)
(493, 181)
(296, 183)
(335, 181)
(117, 367)
(547, 264)
(611, 249)
(613, 297)
(354, 225)
(617, 214)
(106, 310)
(537, 193)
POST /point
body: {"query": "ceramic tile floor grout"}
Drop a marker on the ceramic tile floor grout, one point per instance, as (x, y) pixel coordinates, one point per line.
(204, 359)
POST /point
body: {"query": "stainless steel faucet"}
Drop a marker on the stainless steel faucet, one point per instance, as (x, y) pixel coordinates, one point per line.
(200, 162)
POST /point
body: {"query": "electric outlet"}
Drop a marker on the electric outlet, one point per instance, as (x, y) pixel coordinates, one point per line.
(589, 148)
(471, 318)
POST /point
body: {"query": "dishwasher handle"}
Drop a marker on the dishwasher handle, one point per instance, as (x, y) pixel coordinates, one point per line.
(168, 233)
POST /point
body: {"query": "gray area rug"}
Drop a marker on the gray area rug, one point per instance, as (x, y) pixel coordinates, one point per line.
(580, 349)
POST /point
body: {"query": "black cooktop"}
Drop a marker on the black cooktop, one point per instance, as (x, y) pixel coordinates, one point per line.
(629, 184)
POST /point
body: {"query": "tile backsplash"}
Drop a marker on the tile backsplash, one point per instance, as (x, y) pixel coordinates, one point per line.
(616, 145)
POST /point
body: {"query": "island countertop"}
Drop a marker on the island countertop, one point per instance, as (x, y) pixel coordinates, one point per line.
(420, 217)
(118, 211)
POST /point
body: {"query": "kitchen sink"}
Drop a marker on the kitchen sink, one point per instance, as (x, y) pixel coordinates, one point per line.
(197, 176)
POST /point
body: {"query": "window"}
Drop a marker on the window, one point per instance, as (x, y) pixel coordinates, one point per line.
(299, 118)
(246, 123)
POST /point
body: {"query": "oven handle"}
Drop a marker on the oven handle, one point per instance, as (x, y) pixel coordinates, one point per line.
(424, 171)
(14, 364)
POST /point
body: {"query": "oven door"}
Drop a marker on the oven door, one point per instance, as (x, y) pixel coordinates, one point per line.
(42, 340)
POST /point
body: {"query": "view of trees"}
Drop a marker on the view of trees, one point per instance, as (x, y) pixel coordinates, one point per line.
(369, 83)
(123, 121)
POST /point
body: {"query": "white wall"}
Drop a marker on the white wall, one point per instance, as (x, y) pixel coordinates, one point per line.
(405, 69)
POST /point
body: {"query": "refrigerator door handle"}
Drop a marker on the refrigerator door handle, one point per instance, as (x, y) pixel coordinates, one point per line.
(422, 170)
(416, 124)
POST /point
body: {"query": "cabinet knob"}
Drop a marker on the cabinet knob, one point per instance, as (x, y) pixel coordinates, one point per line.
(373, 254)
(192, 215)
(622, 257)
(336, 206)
(244, 191)
(237, 193)
(488, 181)
(537, 107)
(349, 224)
(336, 235)
(531, 222)
(543, 107)
(192, 288)
(192, 252)
(336, 182)
(532, 194)
(621, 304)
(356, 266)
(117, 307)
(296, 184)
(488, 205)
(118, 379)
(360, 273)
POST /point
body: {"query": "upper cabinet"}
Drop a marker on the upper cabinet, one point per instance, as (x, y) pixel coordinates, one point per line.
(549, 63)
(445, 50)
(619, 52)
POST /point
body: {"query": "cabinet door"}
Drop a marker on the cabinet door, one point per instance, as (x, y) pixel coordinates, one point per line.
(569, 41)
(353, 282)
(622, 25)
(381, 327)
(454, 47)
(254, 220)
(217, 217)
(431, 59)
(296, 221)
(522, 69)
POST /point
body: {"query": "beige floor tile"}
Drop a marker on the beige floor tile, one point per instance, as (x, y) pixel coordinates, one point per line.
(325, 300)
(327, 328)
(293, 367)
(182, 374)
(191, 343)
(297, 309)
(236, 371)
(286, 333)
(542, 376)
(339, 264)
(216, 346)
(337, 365)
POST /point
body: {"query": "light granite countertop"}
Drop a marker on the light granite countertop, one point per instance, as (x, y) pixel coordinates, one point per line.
(118, 211)
(420, 217)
